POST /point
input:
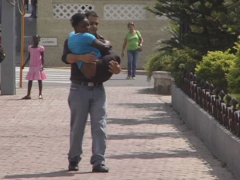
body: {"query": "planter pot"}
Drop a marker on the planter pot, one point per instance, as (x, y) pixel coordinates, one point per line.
(162, 82)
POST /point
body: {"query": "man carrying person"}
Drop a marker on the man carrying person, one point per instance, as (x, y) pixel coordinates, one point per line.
(85, 98)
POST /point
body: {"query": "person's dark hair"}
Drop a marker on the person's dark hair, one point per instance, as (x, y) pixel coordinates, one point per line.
(37, 36)
(91, 13)
(77, 18)
(130, 23)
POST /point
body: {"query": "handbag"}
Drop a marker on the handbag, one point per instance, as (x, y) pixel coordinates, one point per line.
(139, 41)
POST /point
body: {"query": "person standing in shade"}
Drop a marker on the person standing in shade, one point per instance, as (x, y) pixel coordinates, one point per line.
(26, 2)
(85, 98)
(134, 41)
(34, 8)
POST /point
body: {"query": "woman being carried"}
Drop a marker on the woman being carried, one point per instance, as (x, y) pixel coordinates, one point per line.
(82, 42)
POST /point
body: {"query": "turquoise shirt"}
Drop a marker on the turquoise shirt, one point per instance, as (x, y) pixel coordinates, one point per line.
(81, 43)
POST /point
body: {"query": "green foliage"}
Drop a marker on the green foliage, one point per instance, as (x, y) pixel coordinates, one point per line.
(174, 41)
(233, 77)
(215, 66)
(173, 61)
(199, 29)
(183, 58)
(230, 19)
(159, 61)
(203, 25)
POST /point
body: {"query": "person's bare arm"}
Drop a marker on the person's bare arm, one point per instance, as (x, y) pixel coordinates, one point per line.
(70, 58)
(42, 54)
(124, 46)
(108, 43)
(87, 58)
(28, 58)
(100, 45)
(114, 67)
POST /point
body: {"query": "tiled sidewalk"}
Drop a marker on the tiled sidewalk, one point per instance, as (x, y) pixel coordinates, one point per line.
(146, 139)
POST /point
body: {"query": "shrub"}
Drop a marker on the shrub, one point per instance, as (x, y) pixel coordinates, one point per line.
(215, 66)
(183, 58)
(159, 61)
(233, 80)
(173, 61)
(233, 77)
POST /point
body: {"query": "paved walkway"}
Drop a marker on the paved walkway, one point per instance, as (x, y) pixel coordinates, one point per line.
(146, 139)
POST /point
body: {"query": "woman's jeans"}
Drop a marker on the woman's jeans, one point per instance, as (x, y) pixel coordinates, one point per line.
(132, 62)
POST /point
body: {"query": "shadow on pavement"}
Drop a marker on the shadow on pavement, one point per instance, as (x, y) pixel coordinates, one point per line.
(127, 122)
(63, 173)
(146, 91)
(149, 106)
(161, 117)
(143, 136)
(39, 175)
(149, 155)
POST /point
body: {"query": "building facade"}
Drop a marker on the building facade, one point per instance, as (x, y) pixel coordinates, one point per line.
(53, 25)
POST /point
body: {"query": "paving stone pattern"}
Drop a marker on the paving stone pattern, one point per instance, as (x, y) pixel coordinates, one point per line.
(146, 139)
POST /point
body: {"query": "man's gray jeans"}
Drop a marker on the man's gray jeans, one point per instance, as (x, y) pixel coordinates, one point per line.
(84, 100)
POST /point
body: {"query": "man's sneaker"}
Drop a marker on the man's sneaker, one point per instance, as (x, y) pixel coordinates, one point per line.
(100, 168)
(133, 78)
(128, 77)
(73, 166)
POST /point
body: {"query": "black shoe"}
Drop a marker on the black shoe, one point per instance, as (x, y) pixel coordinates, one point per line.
(100, 168)
(73, 166)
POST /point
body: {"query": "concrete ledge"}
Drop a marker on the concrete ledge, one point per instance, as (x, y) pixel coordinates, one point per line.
(162, 82)
(219, 140)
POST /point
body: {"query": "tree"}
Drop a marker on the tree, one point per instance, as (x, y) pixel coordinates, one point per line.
(203, 24)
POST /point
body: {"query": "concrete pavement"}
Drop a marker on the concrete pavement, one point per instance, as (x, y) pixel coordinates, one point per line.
(146, 139)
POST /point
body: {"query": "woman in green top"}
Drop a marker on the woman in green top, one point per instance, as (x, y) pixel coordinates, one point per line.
(133, 40)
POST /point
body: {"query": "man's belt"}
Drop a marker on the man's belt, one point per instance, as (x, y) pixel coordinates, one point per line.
(84, 83)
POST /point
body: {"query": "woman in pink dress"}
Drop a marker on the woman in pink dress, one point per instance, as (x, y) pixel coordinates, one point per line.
(36, 57)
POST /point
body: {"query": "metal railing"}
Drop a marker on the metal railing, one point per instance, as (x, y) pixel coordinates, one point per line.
(213, 100)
